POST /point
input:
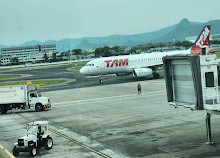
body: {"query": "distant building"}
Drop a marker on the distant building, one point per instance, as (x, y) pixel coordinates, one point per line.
(165, 49)
(4, 60)
(27, 54)
(191, 38)
(215, 37)
(89, 56)
(212, 37)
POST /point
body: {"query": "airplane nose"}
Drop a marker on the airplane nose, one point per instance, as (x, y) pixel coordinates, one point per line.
(82, 71)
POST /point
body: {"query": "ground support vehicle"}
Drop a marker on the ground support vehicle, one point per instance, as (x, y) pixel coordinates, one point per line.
(22, 97)
(34, 139)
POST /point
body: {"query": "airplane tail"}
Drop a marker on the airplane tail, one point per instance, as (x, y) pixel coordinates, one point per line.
(202, 40)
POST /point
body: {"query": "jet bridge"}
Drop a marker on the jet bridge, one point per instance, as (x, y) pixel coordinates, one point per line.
(192, 82)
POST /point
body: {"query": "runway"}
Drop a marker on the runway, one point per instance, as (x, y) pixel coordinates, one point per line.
(74, 78)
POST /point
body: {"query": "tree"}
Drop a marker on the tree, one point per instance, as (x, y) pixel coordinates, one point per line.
(67, 54)
(187, 44)
(134, 49)
(54, 57)
(77, 51)
(14, 60)
(60, 57)
(106, 51)
(160, 45)
(214, 42)
(98, 52)
(118, 49)
(45, 57)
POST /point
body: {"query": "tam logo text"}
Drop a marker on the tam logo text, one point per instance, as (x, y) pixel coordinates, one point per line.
(116, 62)
(203, 37)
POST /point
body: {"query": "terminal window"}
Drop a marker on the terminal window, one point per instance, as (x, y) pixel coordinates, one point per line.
(209, 78)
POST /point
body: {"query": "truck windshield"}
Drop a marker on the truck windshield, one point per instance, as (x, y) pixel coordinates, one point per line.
(33, 95)
(31, 130)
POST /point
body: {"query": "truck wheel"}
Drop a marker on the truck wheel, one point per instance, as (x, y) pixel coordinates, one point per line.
(49, 143)
(38, 107)
(33, 151)
(3, 110)
(15, 152)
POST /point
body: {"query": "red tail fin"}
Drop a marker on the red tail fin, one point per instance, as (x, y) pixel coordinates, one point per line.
(202, 40)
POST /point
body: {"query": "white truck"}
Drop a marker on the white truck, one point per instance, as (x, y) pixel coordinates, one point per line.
(22, 97)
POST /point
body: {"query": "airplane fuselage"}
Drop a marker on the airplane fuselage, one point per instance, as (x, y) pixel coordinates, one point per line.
(126, 63)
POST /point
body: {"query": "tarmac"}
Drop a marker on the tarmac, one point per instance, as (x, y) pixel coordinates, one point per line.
(114, 121)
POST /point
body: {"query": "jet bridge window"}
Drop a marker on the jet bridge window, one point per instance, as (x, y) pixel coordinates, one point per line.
(209, 78)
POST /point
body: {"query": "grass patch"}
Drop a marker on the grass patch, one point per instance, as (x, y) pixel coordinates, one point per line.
(217, 55)
(160, 70)
(3, 77)
(48, 82)
(41, 82)
(77, 68)
(68, 65)
(83, 63)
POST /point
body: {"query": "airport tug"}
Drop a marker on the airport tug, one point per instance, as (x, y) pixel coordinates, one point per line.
(37, 136)
(192, 81)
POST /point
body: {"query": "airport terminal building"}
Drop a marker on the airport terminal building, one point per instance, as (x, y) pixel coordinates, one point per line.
(26, 54)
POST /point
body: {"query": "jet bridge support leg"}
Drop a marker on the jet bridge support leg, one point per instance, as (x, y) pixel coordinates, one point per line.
(208, 128)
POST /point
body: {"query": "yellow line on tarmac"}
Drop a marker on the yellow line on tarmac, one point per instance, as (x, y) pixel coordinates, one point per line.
(70, 139)
(7, 152)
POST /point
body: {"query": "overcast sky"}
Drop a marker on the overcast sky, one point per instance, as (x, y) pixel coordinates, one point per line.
(25, 20)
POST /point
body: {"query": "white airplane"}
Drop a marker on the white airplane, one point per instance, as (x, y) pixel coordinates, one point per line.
(140, 65)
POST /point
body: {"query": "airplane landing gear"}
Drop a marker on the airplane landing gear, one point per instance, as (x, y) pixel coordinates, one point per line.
(100, 80)
(156, 75)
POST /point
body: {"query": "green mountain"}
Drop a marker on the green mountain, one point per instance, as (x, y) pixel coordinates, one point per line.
(179, 32)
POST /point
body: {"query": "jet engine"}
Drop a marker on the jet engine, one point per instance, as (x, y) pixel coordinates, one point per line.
(142, 72)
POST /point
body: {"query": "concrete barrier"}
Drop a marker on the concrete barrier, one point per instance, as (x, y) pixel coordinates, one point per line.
(5, 153)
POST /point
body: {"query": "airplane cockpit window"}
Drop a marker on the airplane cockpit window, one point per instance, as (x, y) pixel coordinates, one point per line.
(90, 65)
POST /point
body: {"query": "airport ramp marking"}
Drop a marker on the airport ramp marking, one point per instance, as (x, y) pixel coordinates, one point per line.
(5, 153)
(70, 139)
(108, 98)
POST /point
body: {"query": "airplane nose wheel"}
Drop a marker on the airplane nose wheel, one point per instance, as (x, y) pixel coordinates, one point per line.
(100, 80)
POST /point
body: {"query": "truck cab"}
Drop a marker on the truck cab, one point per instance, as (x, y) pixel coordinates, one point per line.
(37, 102)
(22, 97)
